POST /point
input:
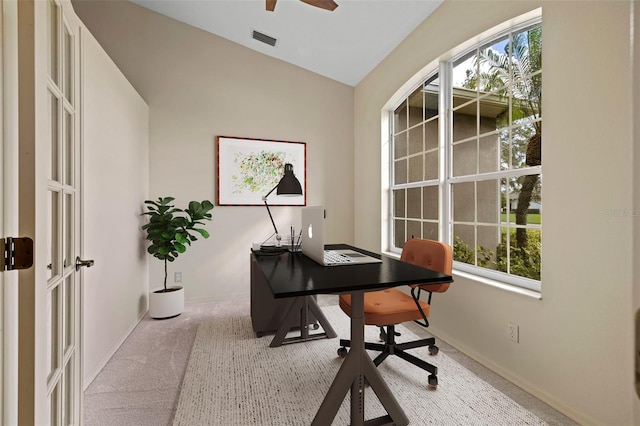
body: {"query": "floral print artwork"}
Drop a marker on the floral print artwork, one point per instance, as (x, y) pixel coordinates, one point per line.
(257, 172)
(248, 169)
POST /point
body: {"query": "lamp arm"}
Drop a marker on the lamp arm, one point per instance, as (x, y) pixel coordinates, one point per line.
(269, 193)
(270, 217)
(269, 211)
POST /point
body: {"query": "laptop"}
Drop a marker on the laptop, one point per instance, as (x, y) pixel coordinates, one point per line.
(313, 242)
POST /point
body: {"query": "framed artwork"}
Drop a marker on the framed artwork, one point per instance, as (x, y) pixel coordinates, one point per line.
(249, 168)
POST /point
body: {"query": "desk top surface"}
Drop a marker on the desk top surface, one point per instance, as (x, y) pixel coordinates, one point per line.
(294, 274)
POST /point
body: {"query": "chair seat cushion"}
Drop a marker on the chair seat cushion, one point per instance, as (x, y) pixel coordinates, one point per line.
(386, 307)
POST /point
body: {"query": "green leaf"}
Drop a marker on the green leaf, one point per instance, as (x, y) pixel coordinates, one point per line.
(167, 235)
(180, 222)
(202, 232)
(180, 248)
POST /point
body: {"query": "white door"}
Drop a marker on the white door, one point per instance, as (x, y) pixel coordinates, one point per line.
(9, 208)
(62, 289)
(50, 357)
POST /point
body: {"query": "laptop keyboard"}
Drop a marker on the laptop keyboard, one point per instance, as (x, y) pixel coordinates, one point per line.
(335, 257)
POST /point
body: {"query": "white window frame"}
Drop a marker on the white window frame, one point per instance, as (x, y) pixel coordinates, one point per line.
(445, 180)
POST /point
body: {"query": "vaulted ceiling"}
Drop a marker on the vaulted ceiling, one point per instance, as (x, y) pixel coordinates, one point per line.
(344, 44)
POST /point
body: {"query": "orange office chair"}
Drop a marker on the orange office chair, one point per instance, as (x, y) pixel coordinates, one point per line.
(386, 308)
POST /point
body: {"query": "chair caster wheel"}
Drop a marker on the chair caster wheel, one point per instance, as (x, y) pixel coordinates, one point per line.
(315, 326)
(433, 382)
(433, 350)
(342, 352)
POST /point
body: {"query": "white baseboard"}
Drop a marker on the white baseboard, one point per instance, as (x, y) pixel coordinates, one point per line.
(518, 381)
(89, 378)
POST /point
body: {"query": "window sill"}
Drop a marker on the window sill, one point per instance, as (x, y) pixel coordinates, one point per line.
(497, 284)
(493, 283)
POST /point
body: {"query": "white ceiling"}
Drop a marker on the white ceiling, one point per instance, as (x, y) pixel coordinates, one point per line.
(344, 45)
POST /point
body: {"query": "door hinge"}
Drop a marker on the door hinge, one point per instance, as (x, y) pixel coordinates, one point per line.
(17, 253)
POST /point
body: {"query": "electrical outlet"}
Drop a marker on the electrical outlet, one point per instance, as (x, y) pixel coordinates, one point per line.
(513, 332)
(177, 277)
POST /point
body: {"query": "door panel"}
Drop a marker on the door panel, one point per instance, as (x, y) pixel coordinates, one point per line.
(49, 346)
(62, 319)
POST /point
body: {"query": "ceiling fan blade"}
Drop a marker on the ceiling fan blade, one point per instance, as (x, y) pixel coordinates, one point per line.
(322, 4)
(271, 5)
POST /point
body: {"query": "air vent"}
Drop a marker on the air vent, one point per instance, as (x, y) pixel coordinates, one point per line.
(257, 35)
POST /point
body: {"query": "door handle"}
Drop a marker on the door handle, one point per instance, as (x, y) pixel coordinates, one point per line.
(80, 263)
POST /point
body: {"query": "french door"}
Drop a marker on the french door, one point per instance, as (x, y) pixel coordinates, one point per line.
(62, 284)
(50, 376)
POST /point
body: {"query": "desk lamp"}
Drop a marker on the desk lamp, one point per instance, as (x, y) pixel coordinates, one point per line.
(289, 186)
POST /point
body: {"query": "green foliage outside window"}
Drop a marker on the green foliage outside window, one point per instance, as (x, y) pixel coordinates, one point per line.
(525, 261)
(463, 253)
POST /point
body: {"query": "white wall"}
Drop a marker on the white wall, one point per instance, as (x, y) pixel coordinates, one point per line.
(576, 344)
(198, 86)
(116, 179)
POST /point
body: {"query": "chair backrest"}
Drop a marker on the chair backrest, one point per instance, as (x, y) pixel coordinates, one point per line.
(434, 255)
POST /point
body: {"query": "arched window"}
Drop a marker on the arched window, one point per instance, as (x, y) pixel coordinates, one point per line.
(466, 164)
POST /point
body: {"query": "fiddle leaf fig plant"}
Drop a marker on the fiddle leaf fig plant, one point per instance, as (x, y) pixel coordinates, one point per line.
(171, 229)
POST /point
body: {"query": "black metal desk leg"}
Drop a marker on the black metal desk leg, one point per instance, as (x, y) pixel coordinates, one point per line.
(324, 322)
(291, 320)
(304, 318)
(298, 316)
(357, 368)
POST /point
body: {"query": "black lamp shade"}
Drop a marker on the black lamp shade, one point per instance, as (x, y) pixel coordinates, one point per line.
(289, 184)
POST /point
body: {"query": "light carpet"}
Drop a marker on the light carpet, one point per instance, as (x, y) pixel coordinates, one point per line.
(234, 378)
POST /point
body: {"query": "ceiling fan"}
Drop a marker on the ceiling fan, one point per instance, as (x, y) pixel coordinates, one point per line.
(322, 4)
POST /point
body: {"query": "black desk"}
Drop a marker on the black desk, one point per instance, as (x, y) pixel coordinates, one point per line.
(295, 275)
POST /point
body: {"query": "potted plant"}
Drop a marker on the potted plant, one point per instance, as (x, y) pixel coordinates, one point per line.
(170, 231)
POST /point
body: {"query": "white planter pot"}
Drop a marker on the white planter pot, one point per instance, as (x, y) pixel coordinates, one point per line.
(168, 304)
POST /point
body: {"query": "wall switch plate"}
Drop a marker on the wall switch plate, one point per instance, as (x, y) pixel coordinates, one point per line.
(177, 277)
(513, 332)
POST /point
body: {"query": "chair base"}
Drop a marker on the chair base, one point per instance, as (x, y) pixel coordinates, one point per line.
(391, 347)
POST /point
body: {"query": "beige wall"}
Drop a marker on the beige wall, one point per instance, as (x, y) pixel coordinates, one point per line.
(576, 344)
(116, 176)
(198, 86)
